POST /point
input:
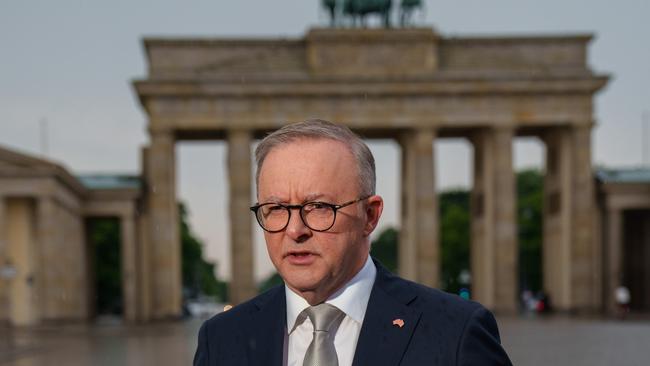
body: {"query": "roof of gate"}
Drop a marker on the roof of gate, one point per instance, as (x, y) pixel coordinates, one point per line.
(624, 175)
(110, 181)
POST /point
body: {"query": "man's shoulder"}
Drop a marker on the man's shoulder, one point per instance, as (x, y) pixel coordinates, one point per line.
(426, 298)
(441, 300)
(236, 316)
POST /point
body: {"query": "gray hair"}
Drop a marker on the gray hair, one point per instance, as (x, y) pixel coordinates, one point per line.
(321, 129)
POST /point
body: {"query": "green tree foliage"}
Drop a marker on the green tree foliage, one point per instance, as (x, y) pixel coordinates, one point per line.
(104, 235)
(198, 275)
(530, 185)
(271, 281)
(454, 238)
(384, 248)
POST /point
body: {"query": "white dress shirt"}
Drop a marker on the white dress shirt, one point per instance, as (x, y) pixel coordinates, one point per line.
(352, 299)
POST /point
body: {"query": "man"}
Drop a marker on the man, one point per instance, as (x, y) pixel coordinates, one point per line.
(317, 206)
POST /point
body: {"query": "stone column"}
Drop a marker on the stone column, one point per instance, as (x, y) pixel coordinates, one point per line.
(645, 294)
(482, 221)
(242, 284)
(418, 245)
(129, 259)
(46, 277)
(4, 250)
(557, 221)
(506, 243)
(571, 259)
(614, 254)
(163, 222)
(4, 227)
(144, 249)
(20, 233)
(584, 276)
(494, 229)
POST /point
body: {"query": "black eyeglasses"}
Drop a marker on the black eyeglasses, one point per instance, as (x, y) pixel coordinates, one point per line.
(318, 216)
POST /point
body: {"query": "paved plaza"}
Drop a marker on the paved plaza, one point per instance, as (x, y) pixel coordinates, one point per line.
(529, 341)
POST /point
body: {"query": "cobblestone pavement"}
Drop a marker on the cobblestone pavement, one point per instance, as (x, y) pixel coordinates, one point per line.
(576, 342)
(530, 342)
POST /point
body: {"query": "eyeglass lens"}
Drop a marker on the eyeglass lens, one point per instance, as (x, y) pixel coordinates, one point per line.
(317, 216)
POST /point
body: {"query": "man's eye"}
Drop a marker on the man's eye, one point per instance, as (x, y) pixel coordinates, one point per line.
(275, 208)
(269, 210)
(316, 206)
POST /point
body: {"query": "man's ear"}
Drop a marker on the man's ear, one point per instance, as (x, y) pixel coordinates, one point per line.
(374, 208)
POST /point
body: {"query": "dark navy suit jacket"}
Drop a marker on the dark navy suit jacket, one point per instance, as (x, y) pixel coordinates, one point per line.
(439, 329)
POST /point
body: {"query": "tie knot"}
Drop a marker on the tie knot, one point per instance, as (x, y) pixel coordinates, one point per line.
(324, 316)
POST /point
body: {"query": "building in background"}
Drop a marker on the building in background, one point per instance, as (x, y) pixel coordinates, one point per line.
(44, 248)
(412, 85)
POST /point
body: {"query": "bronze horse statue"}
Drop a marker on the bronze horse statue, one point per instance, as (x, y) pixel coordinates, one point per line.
(406, 11)
(358, 10)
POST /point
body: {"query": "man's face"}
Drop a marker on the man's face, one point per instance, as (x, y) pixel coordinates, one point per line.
(315, 264)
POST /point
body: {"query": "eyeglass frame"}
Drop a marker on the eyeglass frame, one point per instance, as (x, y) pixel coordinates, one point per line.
(300, 207)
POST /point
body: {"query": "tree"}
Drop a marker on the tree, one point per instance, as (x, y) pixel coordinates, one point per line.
(454, 238)
(104, 235)
(384, 248)
(272, 280)
(530, 185)
(198, 275)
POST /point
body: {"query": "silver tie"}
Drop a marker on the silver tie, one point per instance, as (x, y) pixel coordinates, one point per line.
(321, 351)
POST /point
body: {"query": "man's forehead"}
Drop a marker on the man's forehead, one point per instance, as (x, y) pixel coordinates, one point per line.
(307, 197)
(303, 142)
(323, 151)
(306, 170)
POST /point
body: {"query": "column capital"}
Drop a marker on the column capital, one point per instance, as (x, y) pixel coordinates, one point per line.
(239, 131)
(583, 123)
(161, 135)
(418, 134)
(3, 226)
(503, 129)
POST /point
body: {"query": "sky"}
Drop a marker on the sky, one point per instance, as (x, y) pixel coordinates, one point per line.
(66, 69)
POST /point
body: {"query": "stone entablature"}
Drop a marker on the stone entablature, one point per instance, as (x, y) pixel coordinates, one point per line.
(367, 53)
(388, 78)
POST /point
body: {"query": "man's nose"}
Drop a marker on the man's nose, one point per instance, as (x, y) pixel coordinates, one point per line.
(296, 228)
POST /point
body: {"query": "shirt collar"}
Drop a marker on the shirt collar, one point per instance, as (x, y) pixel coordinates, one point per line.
(352, 298)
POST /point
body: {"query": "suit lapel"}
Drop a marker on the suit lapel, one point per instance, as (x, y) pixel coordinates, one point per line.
(267, 329)
(381, 342)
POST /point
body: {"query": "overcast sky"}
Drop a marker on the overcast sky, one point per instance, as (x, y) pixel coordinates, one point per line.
(67, 65)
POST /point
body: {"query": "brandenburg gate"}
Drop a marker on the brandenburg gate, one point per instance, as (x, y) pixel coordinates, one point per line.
(410, 85)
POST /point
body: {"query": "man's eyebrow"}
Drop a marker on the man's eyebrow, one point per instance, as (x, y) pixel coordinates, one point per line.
(308, 198)
(273, 199)
(313, 196)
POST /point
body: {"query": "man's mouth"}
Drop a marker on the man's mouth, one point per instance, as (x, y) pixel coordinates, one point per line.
(300, 257)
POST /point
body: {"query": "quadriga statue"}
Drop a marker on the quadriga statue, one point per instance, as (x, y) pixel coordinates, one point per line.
(357, 10)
